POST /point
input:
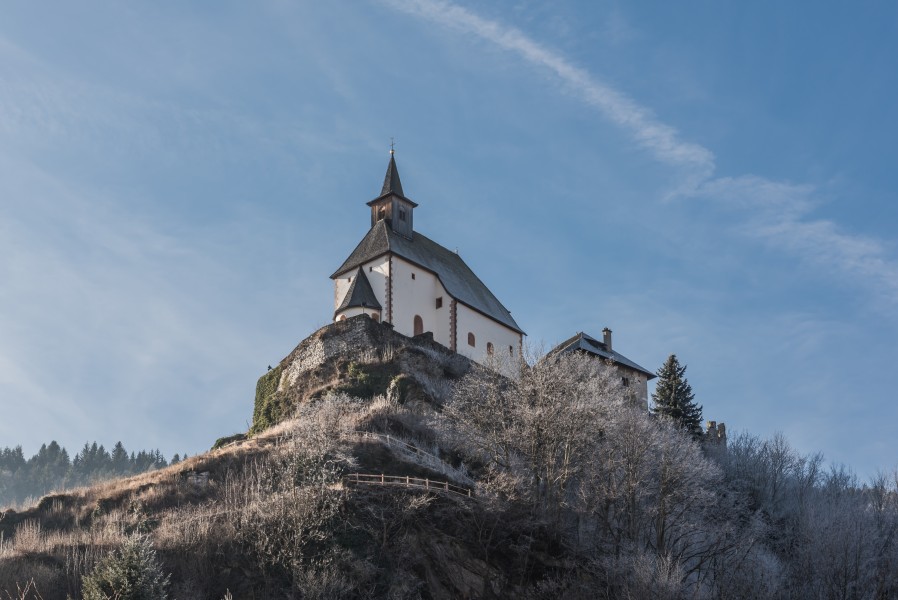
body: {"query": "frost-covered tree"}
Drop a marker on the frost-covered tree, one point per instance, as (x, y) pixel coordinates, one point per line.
(540, 427)
(130, 573)
(673, 397)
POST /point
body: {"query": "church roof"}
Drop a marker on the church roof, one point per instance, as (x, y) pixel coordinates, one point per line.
(586, 343)
(359, 294)
(458, 279)
(392, 185)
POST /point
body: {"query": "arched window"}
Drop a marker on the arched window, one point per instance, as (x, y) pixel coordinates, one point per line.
(471, 341)
(489, 347)
(419, 325)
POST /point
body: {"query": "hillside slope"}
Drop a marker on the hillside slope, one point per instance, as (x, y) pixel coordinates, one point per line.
(288, 511)
(386, 467)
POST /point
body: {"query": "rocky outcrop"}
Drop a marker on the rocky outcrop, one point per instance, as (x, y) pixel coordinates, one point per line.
(360, 357)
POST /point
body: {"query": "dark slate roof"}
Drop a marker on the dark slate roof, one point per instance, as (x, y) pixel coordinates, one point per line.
(359, 294)
(392, 185)
(454, 274)
(587, 343)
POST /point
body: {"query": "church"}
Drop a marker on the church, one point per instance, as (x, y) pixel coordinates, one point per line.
(398, 276)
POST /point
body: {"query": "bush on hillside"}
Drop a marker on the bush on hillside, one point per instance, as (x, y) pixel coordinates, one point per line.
(130, 573)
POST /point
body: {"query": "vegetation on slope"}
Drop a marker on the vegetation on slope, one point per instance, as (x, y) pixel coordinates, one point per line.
(52, 469)
(577, 493)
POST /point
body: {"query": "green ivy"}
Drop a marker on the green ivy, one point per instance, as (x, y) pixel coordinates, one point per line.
(270, 407)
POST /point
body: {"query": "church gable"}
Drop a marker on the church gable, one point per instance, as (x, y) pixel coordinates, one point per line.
(458, 279)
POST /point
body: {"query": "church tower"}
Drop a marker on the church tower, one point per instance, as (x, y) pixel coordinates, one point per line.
(392, 206)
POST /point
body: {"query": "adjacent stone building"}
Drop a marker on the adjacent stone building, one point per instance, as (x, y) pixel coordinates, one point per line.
(631, 375)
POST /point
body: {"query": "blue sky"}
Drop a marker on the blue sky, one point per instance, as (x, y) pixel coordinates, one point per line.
(715, 180)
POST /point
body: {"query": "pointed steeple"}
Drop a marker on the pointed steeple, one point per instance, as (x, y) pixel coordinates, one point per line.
(391, 180)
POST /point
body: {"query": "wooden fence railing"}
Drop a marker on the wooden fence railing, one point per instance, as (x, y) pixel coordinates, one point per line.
(392, 441)
(407, 481)
(435, 461)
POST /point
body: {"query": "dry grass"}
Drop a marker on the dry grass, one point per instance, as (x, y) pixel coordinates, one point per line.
(267, 512)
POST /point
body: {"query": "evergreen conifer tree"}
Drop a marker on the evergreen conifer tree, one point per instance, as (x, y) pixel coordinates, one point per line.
(120, 463)
(673, 397)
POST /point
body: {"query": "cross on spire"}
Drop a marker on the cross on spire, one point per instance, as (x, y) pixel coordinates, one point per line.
(392, 151)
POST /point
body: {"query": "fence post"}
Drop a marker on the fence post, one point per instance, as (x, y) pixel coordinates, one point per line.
(381, 478)
(469, 492)
(447, 486)
(426, 484)
(406, 481)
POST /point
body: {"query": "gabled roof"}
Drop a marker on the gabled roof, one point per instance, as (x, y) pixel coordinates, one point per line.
(586, 343)
(458, 279)
(359, 294)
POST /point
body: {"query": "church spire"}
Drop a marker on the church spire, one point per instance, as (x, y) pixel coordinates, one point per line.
(391, 180)
(392, 206)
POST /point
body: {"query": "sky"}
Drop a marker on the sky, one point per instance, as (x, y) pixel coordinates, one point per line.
(712, 179)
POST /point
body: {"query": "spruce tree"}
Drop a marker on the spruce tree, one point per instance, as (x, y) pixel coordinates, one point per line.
(673, 397)
(119, 457)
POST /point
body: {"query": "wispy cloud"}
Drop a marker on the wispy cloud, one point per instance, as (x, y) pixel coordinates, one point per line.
(661, 139)
(778, 212)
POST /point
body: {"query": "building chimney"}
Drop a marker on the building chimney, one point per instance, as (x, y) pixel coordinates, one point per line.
(606, 335)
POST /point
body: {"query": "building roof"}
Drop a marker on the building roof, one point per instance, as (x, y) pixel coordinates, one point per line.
(392, 185)
(458, 279)
(359, 294)
(587, 343)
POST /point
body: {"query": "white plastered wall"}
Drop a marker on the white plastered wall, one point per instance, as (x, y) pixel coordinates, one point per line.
(485, 330)
(418, 297)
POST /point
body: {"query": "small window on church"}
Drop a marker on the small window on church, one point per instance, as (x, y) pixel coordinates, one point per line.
(341, 318)
(440, 302)
(402, 214)
(381, 213)
(625, 381)
(413, 275)
(489, 347)
(511, 350)
(375, 317)
(370, 269)
(471, 341)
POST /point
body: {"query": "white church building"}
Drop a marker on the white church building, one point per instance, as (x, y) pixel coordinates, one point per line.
(398, 276)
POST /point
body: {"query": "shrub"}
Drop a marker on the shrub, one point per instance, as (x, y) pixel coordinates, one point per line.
(224, 441)
(130, 573)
